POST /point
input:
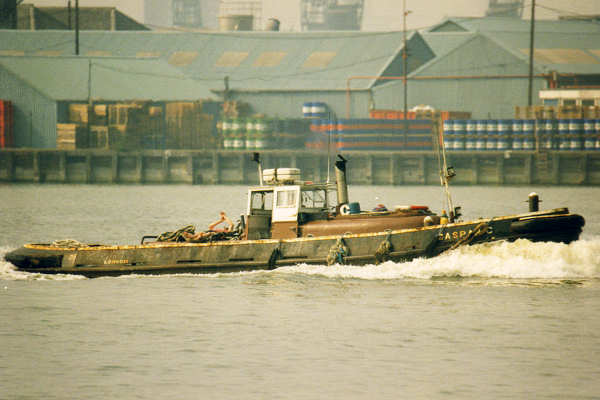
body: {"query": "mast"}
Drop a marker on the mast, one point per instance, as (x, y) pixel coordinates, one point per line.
(446, 173)
(405, 73)
(531, 44)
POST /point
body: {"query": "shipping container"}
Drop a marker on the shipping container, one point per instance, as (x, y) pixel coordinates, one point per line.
(419, 114)
(372, 134)
(6, 124)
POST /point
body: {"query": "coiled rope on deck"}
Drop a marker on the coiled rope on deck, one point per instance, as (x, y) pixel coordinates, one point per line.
(176, 236)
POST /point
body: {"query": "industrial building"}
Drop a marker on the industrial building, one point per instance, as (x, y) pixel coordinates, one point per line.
(456, 65)
(478, 57)
(41, 89)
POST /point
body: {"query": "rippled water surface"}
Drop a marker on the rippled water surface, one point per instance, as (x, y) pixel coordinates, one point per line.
(511, 320)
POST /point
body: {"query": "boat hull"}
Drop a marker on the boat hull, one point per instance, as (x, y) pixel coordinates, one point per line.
(352, 249)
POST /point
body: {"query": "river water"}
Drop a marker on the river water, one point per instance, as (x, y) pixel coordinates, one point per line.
(512, 320)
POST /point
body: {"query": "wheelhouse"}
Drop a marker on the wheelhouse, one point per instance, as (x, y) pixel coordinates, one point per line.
(277, 211)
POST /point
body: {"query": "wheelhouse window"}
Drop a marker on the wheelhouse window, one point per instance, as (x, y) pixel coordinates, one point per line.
(261, 201)
(314, 199)
(287, 198)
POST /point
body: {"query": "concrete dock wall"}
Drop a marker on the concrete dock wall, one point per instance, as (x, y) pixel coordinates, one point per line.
(235, 167)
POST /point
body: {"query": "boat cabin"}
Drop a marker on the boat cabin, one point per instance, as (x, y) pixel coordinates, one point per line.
(277, 211)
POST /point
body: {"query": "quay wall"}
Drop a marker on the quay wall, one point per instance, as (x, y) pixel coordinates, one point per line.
(88, 166)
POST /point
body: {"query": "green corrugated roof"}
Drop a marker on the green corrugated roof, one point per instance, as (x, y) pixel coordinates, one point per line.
(507, 24)
(565, 46)
(577, 53)
(443, 42)
(66, 78)
(200, 54)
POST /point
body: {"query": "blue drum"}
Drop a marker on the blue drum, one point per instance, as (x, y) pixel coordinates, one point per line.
(576, 133)
(564, 141)
(448, 135)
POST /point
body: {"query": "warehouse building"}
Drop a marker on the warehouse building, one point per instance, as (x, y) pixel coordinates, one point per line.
(477, 65)
(42, 90)
(482, 64)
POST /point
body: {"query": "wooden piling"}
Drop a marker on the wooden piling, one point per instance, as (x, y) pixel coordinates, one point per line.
(500, 169)
(114, 168)
(475, 169)
(35, 163)
(88, 168)
(528, 172)
(216, 164)
(139, 168)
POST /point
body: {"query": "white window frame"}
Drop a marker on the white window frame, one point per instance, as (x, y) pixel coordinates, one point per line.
(287, 212)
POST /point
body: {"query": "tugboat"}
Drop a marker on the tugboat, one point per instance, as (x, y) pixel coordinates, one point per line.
(290, 221)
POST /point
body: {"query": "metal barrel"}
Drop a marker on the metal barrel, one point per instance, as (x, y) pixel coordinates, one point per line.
(575, 133)
(263, 133)
(589, 134)
(238, 127)
(226, 133)
(504, 129)
(307, 109)
(563, 134)
(319, 109)
(545, 128)
(481, 129)
(448, 135)
(250, 133)
(314, 109)
(552, 132)
(517, 134)
(460, 128)
(551, 127)
(528, 134)
(491, 142)
(471, 135)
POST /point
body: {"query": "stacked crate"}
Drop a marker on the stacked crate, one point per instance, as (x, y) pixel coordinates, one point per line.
(188, 127)
(71, 136)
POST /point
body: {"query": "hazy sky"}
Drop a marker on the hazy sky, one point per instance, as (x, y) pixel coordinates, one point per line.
(378, 14)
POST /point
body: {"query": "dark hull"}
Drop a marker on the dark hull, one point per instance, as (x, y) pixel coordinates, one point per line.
(358, 249)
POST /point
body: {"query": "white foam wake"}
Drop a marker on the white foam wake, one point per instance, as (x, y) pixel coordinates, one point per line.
(519, 260)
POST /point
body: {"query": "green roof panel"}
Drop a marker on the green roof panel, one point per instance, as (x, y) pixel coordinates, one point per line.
(67, 78)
